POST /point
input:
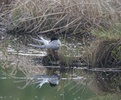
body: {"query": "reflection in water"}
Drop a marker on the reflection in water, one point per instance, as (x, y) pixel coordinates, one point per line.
(65, 90)
(42, 79)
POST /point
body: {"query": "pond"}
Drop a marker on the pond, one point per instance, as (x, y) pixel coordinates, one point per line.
(19, 64)
(11, 89)
(22, 62)
(66, 89)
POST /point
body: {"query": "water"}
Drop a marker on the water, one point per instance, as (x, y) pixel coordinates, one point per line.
(66, 90)
(10, 88)
(24, 61)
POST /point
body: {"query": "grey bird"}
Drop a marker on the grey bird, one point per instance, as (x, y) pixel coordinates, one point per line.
(53, 44)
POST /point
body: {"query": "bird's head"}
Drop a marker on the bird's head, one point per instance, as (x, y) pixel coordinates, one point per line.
(54, 38)
(54, 80)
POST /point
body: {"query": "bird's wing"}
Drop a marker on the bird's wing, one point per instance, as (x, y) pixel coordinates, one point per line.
(44, 40)
(38, 46)
(59, 43)
(42, 83)
(38, 40)
(53, 45)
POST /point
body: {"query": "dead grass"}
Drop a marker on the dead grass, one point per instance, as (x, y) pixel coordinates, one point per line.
(74, 16)
(106, 54)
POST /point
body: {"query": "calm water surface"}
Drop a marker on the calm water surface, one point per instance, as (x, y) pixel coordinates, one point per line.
(10, 91)
(66, 90)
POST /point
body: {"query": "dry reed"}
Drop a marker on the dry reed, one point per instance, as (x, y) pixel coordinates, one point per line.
(74, 16)
(105, 56)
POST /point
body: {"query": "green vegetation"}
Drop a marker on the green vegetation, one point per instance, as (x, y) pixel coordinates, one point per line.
(111, 33)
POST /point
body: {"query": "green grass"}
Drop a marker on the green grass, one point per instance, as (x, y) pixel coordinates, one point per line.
(111, 33)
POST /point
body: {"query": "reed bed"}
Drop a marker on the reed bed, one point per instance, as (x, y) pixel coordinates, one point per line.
(69, 16)
(105, 58)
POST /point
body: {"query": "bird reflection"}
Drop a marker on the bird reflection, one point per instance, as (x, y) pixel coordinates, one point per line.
(52, 80)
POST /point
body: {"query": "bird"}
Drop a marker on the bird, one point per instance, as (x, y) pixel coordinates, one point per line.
(53, 80)
(53, 44)
(54, 57)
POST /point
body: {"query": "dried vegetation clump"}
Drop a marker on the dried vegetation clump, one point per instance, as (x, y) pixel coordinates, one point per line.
(106, 58)
(70, 16)
(106, 53)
